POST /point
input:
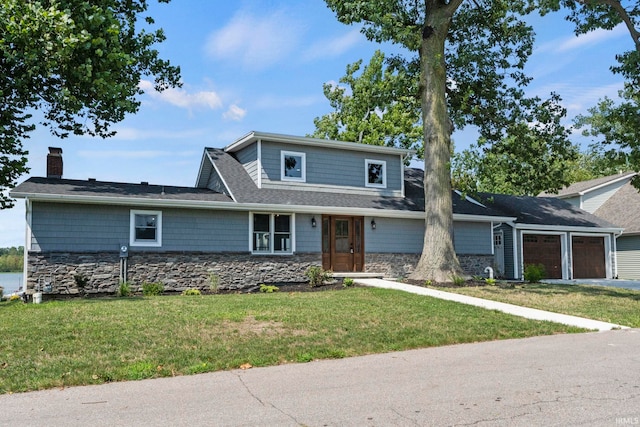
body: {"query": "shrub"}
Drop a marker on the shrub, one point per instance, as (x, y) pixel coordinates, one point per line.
(457, 280)
(191, 292)
(152, 289)
(268, 289)
(124, 290)
(214, 283)
(533, 273)
(347, 281)
(317, 275)
(428, 282)
(490, 281)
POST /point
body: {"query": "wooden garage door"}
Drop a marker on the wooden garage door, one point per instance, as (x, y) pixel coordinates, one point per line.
(545, 250)
(588, 257)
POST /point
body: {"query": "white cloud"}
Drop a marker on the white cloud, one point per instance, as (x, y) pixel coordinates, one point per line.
(183, 99)
(255, 41)
(133, 134)
(234, 113)
(333, 47)
(589, 39)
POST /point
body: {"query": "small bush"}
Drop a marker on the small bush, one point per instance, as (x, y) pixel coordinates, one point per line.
(428, 282)
(533, 273)
(490, 281)
(191, 292)
(268, 289)
(214, 283)
(124, 290)
(457, 280)
(317, 275)
(347, 281)
(152, 289)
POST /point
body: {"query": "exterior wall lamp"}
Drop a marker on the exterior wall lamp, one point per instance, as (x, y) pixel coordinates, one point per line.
(373, 224)
(313, 222)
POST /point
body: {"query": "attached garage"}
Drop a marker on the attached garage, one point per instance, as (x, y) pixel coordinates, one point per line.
(588, 257)
(543, 249)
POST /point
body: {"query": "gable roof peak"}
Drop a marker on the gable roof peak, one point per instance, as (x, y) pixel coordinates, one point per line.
(582, 187)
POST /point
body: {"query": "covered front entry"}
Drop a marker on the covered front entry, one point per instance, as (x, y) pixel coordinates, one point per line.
(588, 257)
(543, 249)
(343, 243)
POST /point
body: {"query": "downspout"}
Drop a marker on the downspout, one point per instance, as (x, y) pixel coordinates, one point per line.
(27, 244)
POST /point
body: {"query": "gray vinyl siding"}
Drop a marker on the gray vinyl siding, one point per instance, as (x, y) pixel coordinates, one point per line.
(394, 235)
(248, 157)
(216, 184)
(407, 236)
(594, 199)
(574, 201)
(91, 228)
(473, 238)
(308, 239)
(628, 257)
(329, 166)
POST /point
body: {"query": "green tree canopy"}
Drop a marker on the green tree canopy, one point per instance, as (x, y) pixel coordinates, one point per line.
(470, 56)
(77, 62)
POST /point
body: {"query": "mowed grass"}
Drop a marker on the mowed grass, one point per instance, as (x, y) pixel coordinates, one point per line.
(608, 304)
(76, 342)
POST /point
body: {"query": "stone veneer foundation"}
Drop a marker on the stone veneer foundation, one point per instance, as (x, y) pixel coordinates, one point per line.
(100, 273)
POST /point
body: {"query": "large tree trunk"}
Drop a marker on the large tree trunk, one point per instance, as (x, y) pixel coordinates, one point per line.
(438, 262)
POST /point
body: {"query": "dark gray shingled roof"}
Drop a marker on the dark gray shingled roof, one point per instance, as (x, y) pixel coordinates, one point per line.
(543, 211)
(244, 190)
(91, 188)
(623, 209)
(581, 186)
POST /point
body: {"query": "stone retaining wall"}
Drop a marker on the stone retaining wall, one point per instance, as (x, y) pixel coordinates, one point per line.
(99, 273)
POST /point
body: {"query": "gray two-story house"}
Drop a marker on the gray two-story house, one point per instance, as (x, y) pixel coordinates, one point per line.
(263, 209)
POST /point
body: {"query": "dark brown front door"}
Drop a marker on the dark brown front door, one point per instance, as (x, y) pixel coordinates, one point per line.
(543, 249)
(342, 243)
(588, 257)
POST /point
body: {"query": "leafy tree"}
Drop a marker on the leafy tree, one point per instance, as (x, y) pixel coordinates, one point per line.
(616, 128)
(470, 56)
(76, 61)
(11, 259)
(532, 158)
(379, 106)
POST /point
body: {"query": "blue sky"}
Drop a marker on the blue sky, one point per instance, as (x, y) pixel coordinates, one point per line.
(260, 65)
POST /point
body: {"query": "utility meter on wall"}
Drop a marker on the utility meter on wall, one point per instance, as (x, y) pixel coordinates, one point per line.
(124, 251)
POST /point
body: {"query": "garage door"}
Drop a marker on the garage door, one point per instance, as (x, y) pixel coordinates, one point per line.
(588, 257)
(545, 250)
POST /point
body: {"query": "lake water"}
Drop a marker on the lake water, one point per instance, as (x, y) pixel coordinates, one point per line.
(11, 282)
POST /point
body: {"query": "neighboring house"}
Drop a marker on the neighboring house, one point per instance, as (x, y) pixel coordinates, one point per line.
(616, 200)
(570, 242)
(263, 209)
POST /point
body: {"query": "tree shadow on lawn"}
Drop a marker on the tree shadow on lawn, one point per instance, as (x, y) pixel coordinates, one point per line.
(586, 290)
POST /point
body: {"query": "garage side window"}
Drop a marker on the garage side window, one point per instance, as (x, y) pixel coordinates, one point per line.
(145, 228)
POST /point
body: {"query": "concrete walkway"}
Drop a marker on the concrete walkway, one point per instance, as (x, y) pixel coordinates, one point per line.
(529, 313)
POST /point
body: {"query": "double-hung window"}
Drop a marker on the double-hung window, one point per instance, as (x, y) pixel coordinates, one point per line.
(293, 166)
(271, 233)
(145, 228)
(375, 173)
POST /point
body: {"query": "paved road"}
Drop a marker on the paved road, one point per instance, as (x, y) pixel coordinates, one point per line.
(580, 379)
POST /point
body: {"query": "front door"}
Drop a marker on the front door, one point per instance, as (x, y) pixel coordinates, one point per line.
(342, 243)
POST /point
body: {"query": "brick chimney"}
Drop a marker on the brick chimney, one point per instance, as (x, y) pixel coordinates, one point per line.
(54, 163)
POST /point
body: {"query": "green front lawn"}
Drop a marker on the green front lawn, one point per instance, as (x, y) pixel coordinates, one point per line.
(64, 343)
(608, 304)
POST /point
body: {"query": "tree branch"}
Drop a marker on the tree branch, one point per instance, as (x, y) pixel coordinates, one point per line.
(624, 16)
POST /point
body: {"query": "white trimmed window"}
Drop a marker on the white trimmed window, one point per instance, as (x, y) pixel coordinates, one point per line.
(271, 233)
(375, 173)
(145, 228)
(293, 166)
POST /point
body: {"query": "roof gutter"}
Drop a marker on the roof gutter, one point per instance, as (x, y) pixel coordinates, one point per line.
(234, 206)
(573, 228)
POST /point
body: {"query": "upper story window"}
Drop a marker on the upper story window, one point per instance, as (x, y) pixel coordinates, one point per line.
(272, 233)
(145, 228)
(293, 166)
(376, 173)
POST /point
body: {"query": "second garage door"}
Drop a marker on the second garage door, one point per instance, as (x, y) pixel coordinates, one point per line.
(588, 257)
(543, 249)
